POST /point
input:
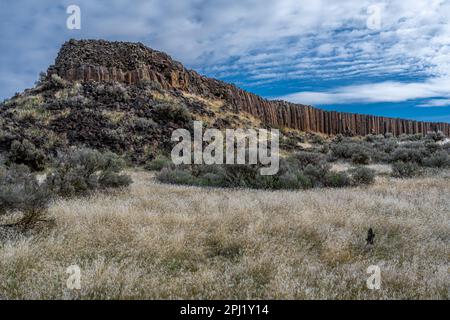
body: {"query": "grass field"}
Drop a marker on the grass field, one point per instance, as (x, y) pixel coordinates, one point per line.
(160, 241)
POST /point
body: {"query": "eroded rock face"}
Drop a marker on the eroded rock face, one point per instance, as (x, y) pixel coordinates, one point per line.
(132, 63)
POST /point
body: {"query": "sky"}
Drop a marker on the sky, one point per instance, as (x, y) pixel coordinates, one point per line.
(389, 58)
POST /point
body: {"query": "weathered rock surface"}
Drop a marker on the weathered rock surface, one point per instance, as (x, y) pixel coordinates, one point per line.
(132, 63)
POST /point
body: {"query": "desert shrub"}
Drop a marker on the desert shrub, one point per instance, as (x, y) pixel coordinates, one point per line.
(81, 171)
(317, 173)
(440, 159)
(176, 113)
(302, 170)
(53, 82)
(336, 180)
(361, 157)
(21, 192)
(26, 153)
(303, 158)
(284, 181)
(346, 150)
(158, 163)
(241, 175)
(405, 169)
(404, 154)
(291, 142)
(386, 146)
(411, 137)
(304, 181)
(247, 176)
(431, 147)
(143, 124)
(150, 85)
(362, 176)
(446, 147)
(317, 139)
(435, 136)
(339, 138)
(176, 176)
(114, 91)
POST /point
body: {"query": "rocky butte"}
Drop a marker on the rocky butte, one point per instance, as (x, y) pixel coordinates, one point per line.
(130, 63)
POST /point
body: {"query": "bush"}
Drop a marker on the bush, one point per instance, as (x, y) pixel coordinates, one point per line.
(176, 176)
(346, 150)
(405, 169)
(165, 112)
(21, 192)
(301, 170)
(302, 159)
(361, 157)
(440, 159)
(158, 163)
(143, 124)
(317, 173)
(362, 176)
(431, 147)
(337, 180)
(84, 170)
(27, 154)
(435, 136)
(408, 155)
(54, 82)
(241, 175)
(317, 139)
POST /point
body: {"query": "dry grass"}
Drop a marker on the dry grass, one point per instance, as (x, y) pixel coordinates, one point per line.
(161, 241)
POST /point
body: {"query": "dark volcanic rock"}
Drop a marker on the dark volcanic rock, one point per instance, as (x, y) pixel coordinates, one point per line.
(132, 63)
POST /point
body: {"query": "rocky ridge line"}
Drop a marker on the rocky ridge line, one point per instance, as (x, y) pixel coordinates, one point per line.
(131, 63)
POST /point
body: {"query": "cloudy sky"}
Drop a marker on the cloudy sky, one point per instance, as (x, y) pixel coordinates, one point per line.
(387, 58)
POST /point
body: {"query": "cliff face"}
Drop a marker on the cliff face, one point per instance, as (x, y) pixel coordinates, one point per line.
(131, 63)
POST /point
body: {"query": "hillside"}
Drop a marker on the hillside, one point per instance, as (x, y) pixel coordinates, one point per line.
(132, 63)
(127, 98)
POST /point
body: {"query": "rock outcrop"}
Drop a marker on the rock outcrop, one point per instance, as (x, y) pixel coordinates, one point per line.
(132, 63)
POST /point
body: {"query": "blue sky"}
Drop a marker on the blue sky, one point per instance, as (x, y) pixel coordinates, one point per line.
(387, 58)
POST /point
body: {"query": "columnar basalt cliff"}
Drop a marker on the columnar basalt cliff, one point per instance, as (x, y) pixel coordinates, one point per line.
(131, 63)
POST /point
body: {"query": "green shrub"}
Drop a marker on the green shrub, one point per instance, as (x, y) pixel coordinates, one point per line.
(304, 182)
(317, 139)
(411, 137)
(361, 157)
(302, 159)
(166, 112)
(435, 136)
(241, 175)
(431, 147)
(26, 153)
(52, 82)
(362, 176)
(143, 124)
(21, 192)
(337, 180)
(317, 173)
(84, 170)
(440, 159)
(176, 176)
(346, 150)
(302, 170)
(405, 169)
(158, 163)
(403, 154)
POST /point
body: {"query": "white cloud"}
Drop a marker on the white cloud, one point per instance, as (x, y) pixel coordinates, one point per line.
(388, 91)
(435, 103)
